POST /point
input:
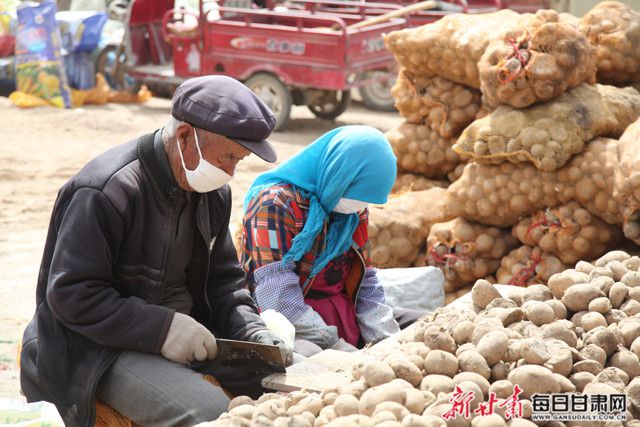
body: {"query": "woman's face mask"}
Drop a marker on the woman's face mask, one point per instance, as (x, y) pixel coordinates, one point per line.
(349, 206)
(205, 177)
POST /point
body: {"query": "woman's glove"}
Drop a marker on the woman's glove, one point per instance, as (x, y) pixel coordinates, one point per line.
(188, 340)
(265, 336)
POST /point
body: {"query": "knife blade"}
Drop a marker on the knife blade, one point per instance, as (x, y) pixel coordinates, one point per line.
(249, 355)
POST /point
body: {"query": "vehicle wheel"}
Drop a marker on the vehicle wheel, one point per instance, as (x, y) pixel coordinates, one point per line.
(273, 93)
(116, 76)
(330, 103)
(377, 95)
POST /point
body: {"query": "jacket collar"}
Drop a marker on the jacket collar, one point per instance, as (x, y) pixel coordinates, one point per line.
(160, 179)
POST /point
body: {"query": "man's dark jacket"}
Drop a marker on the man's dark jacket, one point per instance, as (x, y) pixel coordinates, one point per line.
(102, 274)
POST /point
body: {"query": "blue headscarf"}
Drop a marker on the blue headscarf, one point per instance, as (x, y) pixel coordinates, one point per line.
(352, 162)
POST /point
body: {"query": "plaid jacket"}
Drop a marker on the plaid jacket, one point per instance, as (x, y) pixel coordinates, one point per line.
(275, 216)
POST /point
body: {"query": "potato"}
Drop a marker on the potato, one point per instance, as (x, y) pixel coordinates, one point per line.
(437, 384)
(611, 256)
(441, 362)
(593, 320)
(415, 400)
(538, 312)
(593, 352)
(561, 357)
(356, 388)
(312, 403)
(240, 400)
(566, 386)
(473, 377)
(243, 411)
(439, 339)
(413, 420)
(472, 361)
(502, 389)
(630, 307)
(406, 370)
(590, 366)
(393, 391)
(376, 372)
(630, 331)
(500, 371)
(581, 379)
(559, 310)
(627, 361)
(493, 420)
(600, 305)
(577, 297)
(631, 279)
(493, 346)
(534, 379)
(613, 376)
(603, 338)
(462, 332)
(561, 332)
(346, 404)
(483, 293)
(534, 351)
(395, 408)
(560, 282)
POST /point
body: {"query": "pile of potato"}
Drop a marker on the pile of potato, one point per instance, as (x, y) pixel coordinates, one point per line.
(527, 266)
(536, 62)
(447, 107)
(614, 29)
(580, 334)
(569, 232)
(466, 251)
(398, 229)
(422, 151)
(547, 135)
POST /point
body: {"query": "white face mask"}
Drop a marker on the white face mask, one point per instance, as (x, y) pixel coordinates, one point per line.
(205, 177)
(349, 206)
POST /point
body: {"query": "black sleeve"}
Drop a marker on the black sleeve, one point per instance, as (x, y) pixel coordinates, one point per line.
(234, 311)
(79, 290)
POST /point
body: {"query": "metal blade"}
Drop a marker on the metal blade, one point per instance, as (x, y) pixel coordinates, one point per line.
(249, 355)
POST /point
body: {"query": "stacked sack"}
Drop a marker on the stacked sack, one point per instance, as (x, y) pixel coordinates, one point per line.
(532, 105)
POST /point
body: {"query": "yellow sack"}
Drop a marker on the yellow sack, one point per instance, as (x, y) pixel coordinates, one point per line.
(24, 100)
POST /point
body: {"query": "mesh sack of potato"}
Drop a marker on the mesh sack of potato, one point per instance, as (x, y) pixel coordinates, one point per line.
(614, 29)
(592, 177)
(398, 229)
(528, 265)
(536, 63)
(501, 195)
(447, 107)
(456, 173)
(465, 251)
(423, 151)
(451, 46)
(547, 135)
(569, 232)
(627, 181)
(411, 182)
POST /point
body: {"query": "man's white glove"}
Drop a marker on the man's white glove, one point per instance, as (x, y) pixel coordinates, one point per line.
(188, 340)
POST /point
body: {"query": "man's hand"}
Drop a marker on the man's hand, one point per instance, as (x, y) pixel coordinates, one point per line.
(265, 336)
(188, 340)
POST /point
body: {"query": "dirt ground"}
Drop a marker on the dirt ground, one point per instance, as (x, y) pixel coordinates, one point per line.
(41, 148)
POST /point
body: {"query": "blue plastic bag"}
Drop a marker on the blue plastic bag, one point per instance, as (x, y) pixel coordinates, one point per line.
(80, 30)
(39, 67)
(81, 72)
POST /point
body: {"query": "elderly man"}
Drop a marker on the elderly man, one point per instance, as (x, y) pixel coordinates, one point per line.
(139, 272)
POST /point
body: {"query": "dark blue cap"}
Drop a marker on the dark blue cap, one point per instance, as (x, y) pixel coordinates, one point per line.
(224, 106)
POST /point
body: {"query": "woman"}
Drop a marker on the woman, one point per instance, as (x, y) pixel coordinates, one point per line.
(305, 239)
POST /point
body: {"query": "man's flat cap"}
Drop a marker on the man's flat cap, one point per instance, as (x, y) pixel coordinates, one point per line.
(224, 106)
